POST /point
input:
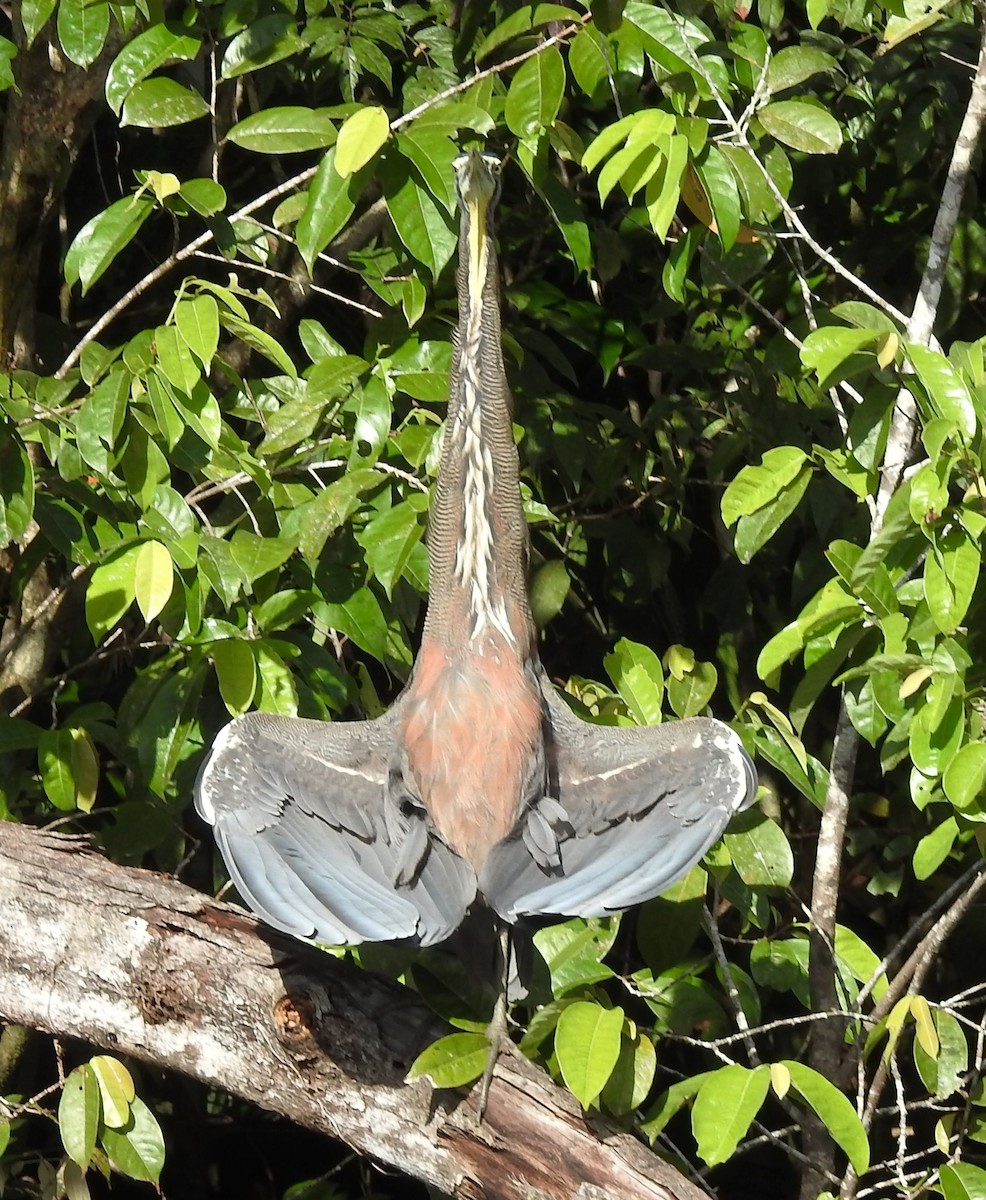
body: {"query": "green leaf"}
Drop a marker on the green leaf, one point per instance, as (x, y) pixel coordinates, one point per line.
(287, 129)
(82, 29)
(452, 1061)
(360, 137)
(756, 486)
(423, 227)
(259, 340)
(330, 204)
(724, 1109)
(951, 571)
(116, 1089)
(834, 1111)
(17, 734)
(111, 592)
(155, 47)
(332, 508)
(587, 1045)
(100, 240)
(637, 675)
(34, 16)
(264, 41)
(693, 691)
(755, 530)
(535, 94)
(137, 1148)
(720, 188)
(630, 1084)
(963, 1181)
(946, 388)
(759, 850)
(79, 1113)
(943, 1072)
(550, 585)
(236, 670)
(932, 850)
(825, 350)
(161, 102)
(801, 126)
(197, 321)
(432, 154)
(85, 769)
(55, 763)
(389, 540)
(530, 17)
(933, 743)
(154, 578)
(794, 64)
(964, 780)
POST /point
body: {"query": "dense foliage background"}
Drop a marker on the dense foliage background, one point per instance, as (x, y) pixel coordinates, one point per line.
(742, 258)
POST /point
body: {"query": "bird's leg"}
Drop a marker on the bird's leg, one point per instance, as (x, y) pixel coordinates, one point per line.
(497, 1030)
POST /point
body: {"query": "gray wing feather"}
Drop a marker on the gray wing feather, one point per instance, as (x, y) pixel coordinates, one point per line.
(315, 839)
(642, 806)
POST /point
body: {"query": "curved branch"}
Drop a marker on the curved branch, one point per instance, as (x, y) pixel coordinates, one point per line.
(142, 965)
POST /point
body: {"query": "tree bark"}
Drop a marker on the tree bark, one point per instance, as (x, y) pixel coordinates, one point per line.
(141, 965)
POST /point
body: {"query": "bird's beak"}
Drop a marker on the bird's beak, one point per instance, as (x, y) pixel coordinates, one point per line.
(477, 188)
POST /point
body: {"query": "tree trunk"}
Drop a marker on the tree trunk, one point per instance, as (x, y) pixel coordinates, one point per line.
(141, 965)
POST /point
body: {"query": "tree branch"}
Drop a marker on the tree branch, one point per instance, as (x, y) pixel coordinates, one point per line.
(144, 966)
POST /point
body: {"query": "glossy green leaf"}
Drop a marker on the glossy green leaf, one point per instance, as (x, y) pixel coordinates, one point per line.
(432, 154)
(100, 240)
(82, 29)
(79, 1114)
(535, 93)
(137, 1147)
(154, 47)
(963, 1181)
(754, 531)
(161, 102)
(946, 388)
(759, 850)
(360, 137)
(724, 1109)
(266, 40)
(389, 540)
(755, 486)
(154, 576)
(55, 762)
(638, 676)
(197, 321)
(111, 591)
(951, 571)
(943, 1071)
(288, 129)
(721, 190)
(236, 670)
(452, 1061)
(34, 16)
(792, 65)
(524, 19)
(424, 228)
(587, 1046)
(802, 126)
(116, 1089)
(834, 1111)
(85, 769)
(825, 350)
(964, 780)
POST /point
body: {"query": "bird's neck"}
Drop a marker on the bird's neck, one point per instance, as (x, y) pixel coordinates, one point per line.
(477, 534)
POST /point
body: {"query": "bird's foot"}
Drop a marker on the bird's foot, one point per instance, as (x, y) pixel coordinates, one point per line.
(499, 1035)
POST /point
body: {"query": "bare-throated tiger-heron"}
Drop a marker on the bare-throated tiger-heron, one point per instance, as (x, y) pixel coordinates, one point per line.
(478, 783)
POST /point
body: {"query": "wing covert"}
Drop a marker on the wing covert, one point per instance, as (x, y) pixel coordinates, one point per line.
(632, 811)
(317, 839)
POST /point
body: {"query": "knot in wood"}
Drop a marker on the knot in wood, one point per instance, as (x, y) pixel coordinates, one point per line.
(294, 1020)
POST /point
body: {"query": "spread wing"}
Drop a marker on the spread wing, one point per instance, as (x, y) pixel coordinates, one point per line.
(629, 812)
(319, 838)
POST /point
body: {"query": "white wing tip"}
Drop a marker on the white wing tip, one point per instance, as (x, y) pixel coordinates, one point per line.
(205, 785)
